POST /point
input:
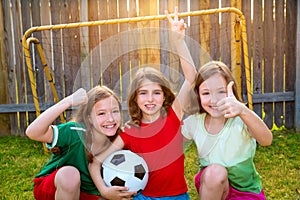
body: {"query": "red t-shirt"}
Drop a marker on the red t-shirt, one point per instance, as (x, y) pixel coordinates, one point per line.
(160, 144)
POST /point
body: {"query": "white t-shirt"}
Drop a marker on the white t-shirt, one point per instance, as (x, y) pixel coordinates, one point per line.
(233, 147)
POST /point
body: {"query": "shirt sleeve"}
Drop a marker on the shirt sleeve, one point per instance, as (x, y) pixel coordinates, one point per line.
(66, 134)
(55, 137)
(185, 128)
(125, 139)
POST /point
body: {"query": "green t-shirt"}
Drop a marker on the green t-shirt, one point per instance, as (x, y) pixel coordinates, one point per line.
(70, 138)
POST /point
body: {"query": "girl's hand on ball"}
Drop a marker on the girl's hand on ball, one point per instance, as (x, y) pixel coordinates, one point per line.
(117, 193)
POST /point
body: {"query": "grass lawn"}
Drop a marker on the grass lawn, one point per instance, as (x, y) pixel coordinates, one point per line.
(278, 165)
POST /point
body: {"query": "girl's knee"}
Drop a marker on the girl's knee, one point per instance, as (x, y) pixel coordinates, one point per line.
(68, 178)
(214, 174)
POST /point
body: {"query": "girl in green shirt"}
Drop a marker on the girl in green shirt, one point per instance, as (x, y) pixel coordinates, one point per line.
(74, 145)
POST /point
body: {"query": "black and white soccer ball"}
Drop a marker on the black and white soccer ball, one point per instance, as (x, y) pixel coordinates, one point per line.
(125, 168)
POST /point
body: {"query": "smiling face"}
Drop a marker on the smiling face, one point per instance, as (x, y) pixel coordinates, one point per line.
(211, 91)
(150, 98)
(106, 116)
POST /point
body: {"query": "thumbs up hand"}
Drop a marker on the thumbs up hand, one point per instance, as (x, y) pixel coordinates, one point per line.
(230, 106)
(229, 89)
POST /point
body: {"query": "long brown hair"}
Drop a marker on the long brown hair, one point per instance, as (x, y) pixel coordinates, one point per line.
(96, 94)
(209, 69)
(155, 76)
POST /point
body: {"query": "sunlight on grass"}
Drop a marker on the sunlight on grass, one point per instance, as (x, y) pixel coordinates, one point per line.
(279, 166)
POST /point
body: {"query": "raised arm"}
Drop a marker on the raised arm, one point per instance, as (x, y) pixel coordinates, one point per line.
(40, 129)
(187, 63)
(178, 35)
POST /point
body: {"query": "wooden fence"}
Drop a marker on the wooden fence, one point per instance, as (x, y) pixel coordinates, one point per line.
(271, 30)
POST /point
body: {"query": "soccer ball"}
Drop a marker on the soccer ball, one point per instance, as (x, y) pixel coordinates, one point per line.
(125, 168)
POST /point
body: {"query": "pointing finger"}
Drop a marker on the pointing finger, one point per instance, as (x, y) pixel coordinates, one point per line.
(229, 89)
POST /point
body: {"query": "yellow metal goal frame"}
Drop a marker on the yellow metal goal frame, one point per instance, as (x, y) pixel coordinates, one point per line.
(240, 35)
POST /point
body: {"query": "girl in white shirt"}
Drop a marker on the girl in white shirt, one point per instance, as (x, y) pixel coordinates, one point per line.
(225, 132)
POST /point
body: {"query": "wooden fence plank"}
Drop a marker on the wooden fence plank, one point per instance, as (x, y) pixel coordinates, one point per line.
(149, 53)
(164, 37)
(71, 47)
(45, 14)
(85, 78)
(257, 54)
(246, 8)
(182, 7)
(115, 41)
(42, 82)
(56, 43)
(225, 35)
(153, 52)
(124, 56)
(92, 65)
(203, 47)
(205, 26)
(279, 74)
(268, 43)
(297, 83)
(4, 118)
(8, 42)
(273, 97)
(104, 34)
(173, 67)
(194, 34)
(26, 24)
(22, 107)
(235, 62)
(214, 33)
(30, 107)
(123, 45)
(37, 65)
(290, 48)
(134, 55)
(144, 7)
(19, 65)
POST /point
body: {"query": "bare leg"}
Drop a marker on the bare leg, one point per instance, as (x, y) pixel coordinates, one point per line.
(67, 183)
(214, 183)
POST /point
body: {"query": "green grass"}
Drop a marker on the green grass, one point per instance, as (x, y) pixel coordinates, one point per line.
(278, 165)
(20, 160)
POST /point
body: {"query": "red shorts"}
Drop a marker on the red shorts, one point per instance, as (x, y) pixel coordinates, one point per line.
(233, 193)
(44, 189)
